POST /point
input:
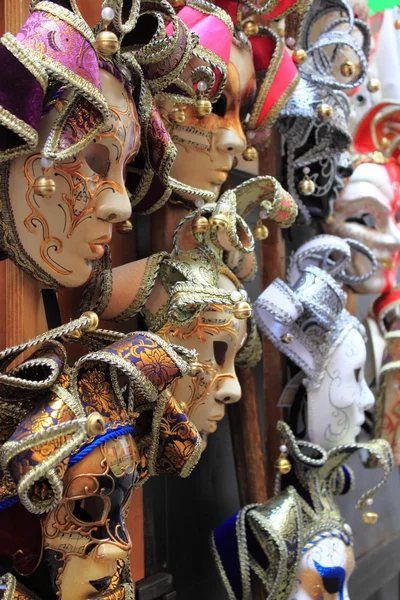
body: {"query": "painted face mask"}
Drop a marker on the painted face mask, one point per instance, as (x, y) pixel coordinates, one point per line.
(368, 208)
(191, 297)
(304, 516)
(309, 323)
(207, 146)
(65, 233)
(79, 446)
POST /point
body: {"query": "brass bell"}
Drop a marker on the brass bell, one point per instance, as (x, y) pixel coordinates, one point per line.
(250, 28)
(287, 338)
(283, 465)
(72, 337)
(106, 43)
(260, 231)
(385, 143)
(242, 310)
(203, 107)
(200, 225)
(324, 111)
(250, 154)
(195, 369)
(306, 186)
(299, 56)
(93, 321)
(397, 24)
(329, 220)
(373, 85)
(177, 115)
(44, 186)
(348, 68)
(95, 424)
(218, 222)
(370, 518)
(124, 227)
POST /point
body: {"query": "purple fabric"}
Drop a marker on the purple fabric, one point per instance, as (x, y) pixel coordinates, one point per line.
(49, 35)
(17, 85)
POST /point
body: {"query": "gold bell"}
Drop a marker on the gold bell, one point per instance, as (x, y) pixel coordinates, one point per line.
(287, 338)
(397, 24)
(177, 115)
(299, 56)
(324, 111)
(195, 369)
(385, 143)
(200, 225)
(44, 186)
(373, 85)
(106, 43)
(93, 321)
(95, 424)
(124, 227)
(306, 186)
(348, 68)
(218, 222)
(370, 518)
(260, 231)
(283, 464)
(250, 154)
(72, 337)
(250, 28)
(203, 107)
(329, 220)
(242, 310)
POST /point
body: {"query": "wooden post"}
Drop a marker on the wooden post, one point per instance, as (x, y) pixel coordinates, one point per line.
(272, 266)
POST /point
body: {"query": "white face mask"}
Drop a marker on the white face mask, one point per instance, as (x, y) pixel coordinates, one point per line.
(324, 571)
(65, 233)
(335, 410)
(368, 211)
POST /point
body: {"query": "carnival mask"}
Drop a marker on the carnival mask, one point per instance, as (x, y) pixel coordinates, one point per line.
(217, 336)
(324, 571)
(336, 409)
(207, 146)
(309, 323)
(85, 538)
(60, 236)
(368, 211)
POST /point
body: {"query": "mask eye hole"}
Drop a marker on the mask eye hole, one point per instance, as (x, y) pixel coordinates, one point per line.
(360, 99)
(91, 509)
(331, 584)
(97, 157)
(357, 374)
(365, 219)
(220, 350)
(220, 106)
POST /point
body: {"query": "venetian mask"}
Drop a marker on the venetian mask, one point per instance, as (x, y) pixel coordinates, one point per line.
(61, 235)
(309, 323)
(336, 409)
(217, 336)
(324, 571)
(85, 537)
(368, 211)
(207, 146)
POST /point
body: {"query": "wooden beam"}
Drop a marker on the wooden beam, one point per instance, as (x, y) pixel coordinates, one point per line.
(272, 266)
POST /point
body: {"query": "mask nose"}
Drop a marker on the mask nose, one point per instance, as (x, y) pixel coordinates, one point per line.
(109, 551)
(113, 205)
(231, 141)
(367, 398)
(229, 390)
